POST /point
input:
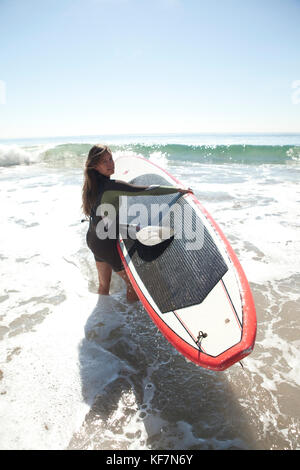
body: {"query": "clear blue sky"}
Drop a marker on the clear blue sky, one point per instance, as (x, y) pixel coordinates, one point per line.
(79, 67)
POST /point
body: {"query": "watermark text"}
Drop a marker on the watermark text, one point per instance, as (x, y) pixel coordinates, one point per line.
(177, 221)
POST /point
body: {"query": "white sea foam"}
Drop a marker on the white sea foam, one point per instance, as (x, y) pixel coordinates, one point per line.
(15, 155)
(41, 391)
(160, 158)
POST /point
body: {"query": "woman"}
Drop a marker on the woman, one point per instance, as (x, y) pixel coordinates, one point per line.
(99, 189)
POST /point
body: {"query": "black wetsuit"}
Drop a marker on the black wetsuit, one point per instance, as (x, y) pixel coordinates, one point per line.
(109, 193)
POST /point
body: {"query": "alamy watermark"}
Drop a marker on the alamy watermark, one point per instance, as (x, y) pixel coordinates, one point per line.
(183, 222)
(296, 93)
(2, 92)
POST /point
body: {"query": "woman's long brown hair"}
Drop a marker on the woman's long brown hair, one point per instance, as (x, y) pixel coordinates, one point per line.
(90, 189)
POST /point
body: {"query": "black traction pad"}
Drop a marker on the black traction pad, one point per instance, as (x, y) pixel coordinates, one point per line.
(176, 277)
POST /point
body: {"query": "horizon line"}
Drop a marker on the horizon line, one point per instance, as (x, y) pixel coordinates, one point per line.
(153, 134)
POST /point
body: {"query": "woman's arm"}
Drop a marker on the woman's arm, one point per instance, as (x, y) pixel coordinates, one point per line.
(115, 189)
(128, 189)
(121, 188)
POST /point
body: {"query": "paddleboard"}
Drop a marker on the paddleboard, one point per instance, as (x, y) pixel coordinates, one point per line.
(191, 284)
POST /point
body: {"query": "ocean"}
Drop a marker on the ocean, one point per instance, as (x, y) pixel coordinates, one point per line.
(83, 371)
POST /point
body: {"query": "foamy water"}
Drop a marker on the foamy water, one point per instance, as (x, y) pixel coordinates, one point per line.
(82, 371)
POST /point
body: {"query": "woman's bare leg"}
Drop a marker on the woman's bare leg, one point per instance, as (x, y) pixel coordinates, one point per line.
(131, 295)
(104, 276)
